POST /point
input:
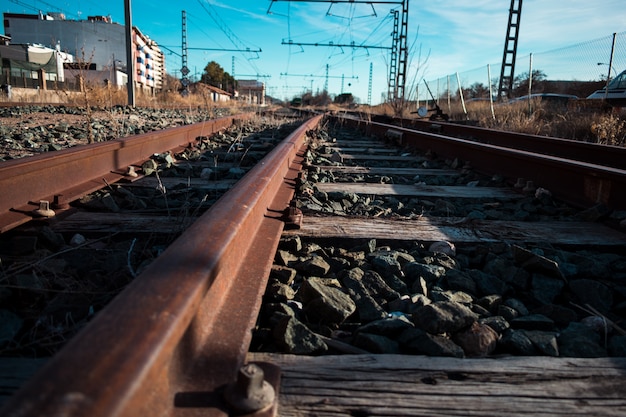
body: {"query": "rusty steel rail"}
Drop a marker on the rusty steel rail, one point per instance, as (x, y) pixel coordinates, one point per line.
(593, 153)
(66, 175)
(577, 182)
(179, 333)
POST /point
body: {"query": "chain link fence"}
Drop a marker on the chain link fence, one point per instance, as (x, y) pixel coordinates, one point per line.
(577, 70)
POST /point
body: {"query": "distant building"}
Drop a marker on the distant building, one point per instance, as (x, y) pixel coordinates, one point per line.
(97, 41)
(37, 63)
(214, 94)
(252, 91)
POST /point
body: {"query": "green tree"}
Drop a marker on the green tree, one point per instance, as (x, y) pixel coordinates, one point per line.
(215, 75)
(476, 90)
(520, 84)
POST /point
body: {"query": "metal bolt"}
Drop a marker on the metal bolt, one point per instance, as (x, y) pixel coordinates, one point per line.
(530, 187)
(59, 203)
(44, 209)
(130, 172)
(292, 216)
(250, 393)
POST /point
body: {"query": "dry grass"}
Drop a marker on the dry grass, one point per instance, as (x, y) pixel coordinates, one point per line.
(577, 121)
(108, 97)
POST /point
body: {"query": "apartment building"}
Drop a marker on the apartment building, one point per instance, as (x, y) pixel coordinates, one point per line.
(97, 41)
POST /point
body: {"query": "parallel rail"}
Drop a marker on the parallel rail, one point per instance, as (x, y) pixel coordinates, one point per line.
(69, 174)
(604, 155)
(580, 173)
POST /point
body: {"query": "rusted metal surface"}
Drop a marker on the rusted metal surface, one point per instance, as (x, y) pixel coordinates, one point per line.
(580, 183)
(71, 173)
(179, 333)
(605, 155)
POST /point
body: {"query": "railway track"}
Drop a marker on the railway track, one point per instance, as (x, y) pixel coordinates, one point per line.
(176, 339)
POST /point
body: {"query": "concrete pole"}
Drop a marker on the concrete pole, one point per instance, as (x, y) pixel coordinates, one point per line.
(130, 62)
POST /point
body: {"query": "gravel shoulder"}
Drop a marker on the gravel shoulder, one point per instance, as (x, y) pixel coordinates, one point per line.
(31, 130)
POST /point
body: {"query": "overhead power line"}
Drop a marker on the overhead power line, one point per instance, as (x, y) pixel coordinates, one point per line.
(283, 74)
(338, 45)
(399, 48)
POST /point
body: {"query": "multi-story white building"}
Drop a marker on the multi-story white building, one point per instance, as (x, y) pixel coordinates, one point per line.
(97, 41)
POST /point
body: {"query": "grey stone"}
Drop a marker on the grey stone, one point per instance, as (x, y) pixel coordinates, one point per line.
(10, 325)
(453, 296)
(285, 258)
(544, 342)
(325, 304)
(338, 264)
(443, 246)
(385, 263)
(419, 286)
(487, 284)
(561, 316)
(500, 267)
(477, 340)
(443, 317)
(534, 262)
(533, 322)
(278, 291)
(378, 288)
(390, 327)
(507, 312)
(418, 342)
(291, 244)
(497, 323)
(442, 259)
(283, 274)
(516, 342)
(51, 238)
(401, 304)
(404, 258)
(415, 270)
(579, 341)
(294, 337)
(376, 343)
(458, 280)
(313, 266)
(594, 293)
(617, 346)
(417, 301)
(355, 258)
(490, 302)
(366, 306)
(517, 305)
(546, 289)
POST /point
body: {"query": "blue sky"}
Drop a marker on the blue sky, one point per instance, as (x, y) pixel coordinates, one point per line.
(445, 36)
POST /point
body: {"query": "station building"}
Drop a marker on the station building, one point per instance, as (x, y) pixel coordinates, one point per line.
(97, 44)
